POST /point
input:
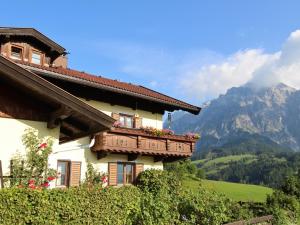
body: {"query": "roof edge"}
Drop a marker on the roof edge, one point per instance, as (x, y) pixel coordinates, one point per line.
(192, 109)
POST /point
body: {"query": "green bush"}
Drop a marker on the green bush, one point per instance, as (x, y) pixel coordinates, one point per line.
(200, 174)
(157, 181)
(69, 206)
(158, 199)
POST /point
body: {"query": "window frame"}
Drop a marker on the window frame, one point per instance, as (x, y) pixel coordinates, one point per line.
(35, 51)
(124, 165)
(126, 116)
(22, 52)
(68, 174)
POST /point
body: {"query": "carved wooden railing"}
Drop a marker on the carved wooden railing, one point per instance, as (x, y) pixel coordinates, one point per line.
(136, 141)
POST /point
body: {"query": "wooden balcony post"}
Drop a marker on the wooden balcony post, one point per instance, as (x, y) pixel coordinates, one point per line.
(192, 146)
(139, 142)
(168, 145)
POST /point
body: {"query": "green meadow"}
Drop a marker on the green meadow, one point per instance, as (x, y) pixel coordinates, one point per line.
(234, 191)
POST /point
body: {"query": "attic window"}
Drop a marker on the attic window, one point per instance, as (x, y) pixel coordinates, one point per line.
(36, 57)
(16, 53)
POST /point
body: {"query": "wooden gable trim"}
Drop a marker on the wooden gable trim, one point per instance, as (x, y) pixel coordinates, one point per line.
(49, 92)
(34, 33)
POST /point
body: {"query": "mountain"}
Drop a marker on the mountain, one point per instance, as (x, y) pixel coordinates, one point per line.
(247, 119)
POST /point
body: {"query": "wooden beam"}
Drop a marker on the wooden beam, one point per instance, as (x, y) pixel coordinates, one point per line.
(57, 116)
(101, 154)
(77, 124)
(158, 158)
(66, 131)
(132, 157)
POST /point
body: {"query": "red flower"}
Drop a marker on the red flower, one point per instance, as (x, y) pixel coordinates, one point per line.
(46, 184)
(50, 178)
(31, 186)
(43, 145)
(31, 181)
(104, 179)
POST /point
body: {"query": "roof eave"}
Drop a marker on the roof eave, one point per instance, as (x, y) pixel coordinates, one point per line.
(193, 109)
(42, 87)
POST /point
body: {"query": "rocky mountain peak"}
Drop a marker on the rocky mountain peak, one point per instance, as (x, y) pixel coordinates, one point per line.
(268, 112)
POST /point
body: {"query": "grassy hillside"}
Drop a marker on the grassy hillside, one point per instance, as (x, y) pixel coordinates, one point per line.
(235, 191)
(212, 166)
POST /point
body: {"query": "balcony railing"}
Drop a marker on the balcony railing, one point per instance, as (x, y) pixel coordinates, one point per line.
(137, 142)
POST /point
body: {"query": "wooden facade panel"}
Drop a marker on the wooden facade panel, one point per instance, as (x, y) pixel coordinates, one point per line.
(153, 144)
(18, 105)
(180, 146)
(143, 144)
(121, 141)
(75, 173)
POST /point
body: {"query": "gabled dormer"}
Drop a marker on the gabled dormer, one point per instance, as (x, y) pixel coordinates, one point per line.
(29, 45)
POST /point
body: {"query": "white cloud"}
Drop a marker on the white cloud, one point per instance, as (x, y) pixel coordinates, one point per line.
(249, 66)
(211, 80)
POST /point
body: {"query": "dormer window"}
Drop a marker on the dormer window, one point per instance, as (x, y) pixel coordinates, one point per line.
(16, 53)
(36, 57)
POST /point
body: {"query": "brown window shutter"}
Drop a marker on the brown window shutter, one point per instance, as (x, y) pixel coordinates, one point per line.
(139, 167)
(116, 116)
(75, 173)
(137, 122)
(112, 173)
(1, 176)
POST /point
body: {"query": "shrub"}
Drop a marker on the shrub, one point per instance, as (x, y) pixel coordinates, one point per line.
(32, 169)
(69, 206)
(93, 177)
(156, 181)
(200, 174)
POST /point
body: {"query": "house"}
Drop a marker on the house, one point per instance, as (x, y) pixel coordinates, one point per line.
(91, 118)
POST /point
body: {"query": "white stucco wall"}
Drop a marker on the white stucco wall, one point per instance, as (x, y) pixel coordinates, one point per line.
(11, 131)
(79, 151)
(149, 118)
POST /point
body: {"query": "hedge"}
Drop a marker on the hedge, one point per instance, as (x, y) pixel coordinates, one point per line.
(157, 199)
(69, 206)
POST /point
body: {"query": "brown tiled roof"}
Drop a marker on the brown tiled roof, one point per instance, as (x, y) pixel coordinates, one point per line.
(117, 85)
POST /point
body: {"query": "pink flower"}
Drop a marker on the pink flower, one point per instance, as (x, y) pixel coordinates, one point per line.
(117, 124)
(104, 179)
(43, 145)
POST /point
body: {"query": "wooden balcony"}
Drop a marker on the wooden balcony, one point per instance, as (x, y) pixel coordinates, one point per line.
(135, 142)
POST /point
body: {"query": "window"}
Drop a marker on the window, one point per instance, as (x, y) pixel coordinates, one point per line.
(125, 173)
(63, 168)
(126, 121)
(36, 57)
(16, 53)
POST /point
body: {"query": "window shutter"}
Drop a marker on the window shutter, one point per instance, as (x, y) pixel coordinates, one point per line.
(1, 176)
(139, 167)
(75, 173)
(116, 116)
(112, 173)
(137, 122)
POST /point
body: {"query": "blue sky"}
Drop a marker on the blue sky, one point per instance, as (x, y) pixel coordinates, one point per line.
(159, 44)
